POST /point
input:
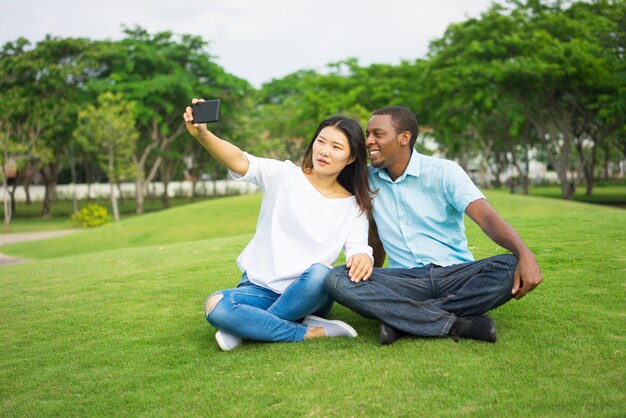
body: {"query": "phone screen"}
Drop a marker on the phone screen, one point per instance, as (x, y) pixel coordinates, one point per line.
(207, 111)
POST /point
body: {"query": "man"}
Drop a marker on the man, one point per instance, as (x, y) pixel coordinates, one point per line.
(433, 287)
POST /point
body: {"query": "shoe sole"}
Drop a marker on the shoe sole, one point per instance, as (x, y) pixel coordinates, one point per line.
(222, 343)
(340, 324)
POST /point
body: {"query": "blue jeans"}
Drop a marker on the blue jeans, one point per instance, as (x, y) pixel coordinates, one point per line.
(256, 313)
(425, 301)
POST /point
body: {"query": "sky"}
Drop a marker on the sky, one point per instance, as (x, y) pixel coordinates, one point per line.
(255, 40)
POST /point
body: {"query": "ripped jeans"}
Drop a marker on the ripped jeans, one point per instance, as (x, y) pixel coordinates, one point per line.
(257, 313)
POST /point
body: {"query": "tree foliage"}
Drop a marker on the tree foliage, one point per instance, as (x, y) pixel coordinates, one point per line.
(527, 79)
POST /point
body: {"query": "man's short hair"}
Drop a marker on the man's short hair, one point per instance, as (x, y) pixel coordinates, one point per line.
(402, 119)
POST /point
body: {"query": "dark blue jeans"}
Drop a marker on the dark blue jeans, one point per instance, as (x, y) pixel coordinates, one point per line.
(425, 301)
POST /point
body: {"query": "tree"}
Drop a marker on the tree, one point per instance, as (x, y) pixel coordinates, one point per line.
(108, 132)
(291, 108)
(161, 73)
(12, 153)
(527, 74)
(49, 79)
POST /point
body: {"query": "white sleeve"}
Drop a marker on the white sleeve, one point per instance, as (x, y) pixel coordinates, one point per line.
(356, 243)
(263, 172)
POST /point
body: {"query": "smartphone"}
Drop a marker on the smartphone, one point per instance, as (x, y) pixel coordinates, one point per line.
(207, 111)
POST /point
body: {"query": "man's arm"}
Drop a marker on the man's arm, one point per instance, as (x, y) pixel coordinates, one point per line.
(377, 245)
(527, 274)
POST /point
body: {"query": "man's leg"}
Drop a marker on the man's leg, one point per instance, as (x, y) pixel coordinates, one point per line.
(401, 298)
(426, 301)
(475, 288)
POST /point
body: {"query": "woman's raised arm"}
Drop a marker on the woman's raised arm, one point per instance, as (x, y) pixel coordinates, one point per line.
(226, 153)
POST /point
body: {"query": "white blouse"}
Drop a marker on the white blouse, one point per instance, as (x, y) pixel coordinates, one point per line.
(297, 226)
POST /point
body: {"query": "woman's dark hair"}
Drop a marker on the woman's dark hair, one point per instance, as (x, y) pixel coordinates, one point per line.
(353, 177)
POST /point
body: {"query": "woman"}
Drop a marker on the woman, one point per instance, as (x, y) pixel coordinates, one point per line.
(308, 214)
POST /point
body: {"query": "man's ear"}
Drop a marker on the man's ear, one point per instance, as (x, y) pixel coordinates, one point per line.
(405, 138)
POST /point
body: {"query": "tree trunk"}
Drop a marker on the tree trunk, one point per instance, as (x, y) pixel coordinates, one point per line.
(193, 188)
(524, 175)
(26, 183)
(120, 195)
(139, 195)
(589, 171)
(607, 159)
(5, 197)
(13, 203)
(73, 172)
(165, 195)
(496, 172)
(111, 175)
(29, 201)
(116, 212)
(49, 173)
(88, 178)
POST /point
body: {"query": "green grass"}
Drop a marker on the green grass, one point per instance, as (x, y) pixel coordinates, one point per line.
(606, 194)
(20, 225)
(121, 332)
(27, 218)
(64, 208)
(203, 220)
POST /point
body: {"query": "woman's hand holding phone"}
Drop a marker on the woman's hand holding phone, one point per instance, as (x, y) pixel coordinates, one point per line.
(226, 153)
(195, 129)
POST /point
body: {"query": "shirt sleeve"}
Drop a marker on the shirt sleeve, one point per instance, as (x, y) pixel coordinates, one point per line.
(459, 188)
(356, 243)
(263, 172)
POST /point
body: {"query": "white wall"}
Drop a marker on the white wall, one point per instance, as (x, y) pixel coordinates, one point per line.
(101, 190)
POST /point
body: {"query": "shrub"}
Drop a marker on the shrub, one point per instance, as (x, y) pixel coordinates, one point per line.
(91, 216)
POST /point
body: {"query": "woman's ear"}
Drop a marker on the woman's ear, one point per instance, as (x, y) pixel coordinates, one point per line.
(352, 159)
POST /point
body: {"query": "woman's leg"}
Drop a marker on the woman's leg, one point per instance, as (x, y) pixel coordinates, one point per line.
(243, 312)
(304, 296)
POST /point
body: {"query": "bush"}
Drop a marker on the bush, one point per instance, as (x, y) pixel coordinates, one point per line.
(91, 216)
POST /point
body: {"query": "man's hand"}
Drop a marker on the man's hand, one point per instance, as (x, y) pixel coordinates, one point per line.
(527, 275)
(360, 266)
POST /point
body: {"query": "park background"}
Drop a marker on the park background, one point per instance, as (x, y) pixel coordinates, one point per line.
(529, 97)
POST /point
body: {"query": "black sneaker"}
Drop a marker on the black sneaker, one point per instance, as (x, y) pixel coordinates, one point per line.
(388, 334)
(481, 328)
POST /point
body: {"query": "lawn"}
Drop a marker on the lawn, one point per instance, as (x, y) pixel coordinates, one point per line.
(27, 217)
(607, 194)
(121, 332)
(213, 218)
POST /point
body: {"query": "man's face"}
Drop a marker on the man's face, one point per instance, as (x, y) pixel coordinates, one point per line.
(384, 144)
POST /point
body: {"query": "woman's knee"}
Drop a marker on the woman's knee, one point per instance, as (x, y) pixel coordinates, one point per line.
(316, 274)
(211, 303)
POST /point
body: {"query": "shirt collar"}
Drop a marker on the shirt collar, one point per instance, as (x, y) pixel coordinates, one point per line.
(412, 169)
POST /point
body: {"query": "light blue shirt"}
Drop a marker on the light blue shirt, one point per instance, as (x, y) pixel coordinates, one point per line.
(420, 215)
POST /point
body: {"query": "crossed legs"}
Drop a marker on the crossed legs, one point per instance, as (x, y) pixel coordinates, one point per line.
(426, 301)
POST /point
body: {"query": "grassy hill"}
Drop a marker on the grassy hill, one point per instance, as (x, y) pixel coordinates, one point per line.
(216, 218)
(110, 322)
